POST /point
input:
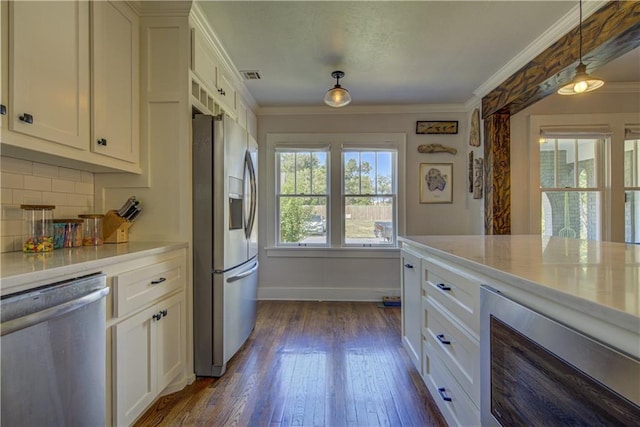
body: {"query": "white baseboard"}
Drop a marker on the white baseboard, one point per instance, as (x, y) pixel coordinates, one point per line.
(325, 294)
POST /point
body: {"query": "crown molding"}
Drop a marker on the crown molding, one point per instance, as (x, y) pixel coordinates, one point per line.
(620, 87)
(146, 8)
(564, 25)
(362, 109)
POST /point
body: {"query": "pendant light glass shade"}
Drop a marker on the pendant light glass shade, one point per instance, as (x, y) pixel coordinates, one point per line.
(337, 96)
(582, 82)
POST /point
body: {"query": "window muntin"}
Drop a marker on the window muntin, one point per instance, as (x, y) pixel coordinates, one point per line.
(369, 197)
(570, 185)
(302, 198)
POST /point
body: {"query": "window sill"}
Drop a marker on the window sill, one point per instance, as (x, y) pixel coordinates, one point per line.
(325, 252)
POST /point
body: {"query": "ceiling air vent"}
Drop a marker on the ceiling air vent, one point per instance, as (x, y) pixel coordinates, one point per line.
(250, 74)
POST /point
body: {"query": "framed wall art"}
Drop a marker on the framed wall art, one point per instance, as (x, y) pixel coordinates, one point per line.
(437, 127)
(436, 182)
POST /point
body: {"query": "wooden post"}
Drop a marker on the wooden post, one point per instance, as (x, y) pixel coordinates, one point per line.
(497, 172)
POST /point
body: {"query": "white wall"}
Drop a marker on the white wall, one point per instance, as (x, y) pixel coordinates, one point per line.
(335, 277)
(622, 99)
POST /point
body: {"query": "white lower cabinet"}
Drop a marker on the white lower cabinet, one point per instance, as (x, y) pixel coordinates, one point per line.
(448, 322)
(411, 307)
(148, 356)
(148, 332)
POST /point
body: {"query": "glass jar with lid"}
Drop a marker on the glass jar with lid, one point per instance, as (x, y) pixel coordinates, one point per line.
(67, 233)
(37, 228)
(92, 229)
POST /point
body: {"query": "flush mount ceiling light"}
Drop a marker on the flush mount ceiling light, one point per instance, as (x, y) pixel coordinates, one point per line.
(337, 96)
(582, 82)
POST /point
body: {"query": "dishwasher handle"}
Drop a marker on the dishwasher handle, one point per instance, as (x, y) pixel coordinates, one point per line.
(24, 322)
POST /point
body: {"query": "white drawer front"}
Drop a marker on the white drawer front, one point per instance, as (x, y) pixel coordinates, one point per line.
(459, 410)
(456, 293)
(457, 349)
(137, 288)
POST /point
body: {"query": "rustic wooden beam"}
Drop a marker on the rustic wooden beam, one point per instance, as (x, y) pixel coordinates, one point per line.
(497, 172)
(608, 33)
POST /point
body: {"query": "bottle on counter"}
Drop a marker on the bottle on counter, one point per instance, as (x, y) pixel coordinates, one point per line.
(37, 226)
(92, 229)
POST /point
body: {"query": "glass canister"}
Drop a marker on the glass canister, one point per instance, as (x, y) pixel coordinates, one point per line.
(92, 229)
(67, 233)
(37, 228)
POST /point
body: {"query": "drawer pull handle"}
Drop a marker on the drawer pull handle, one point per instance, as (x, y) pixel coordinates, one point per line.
(160, 280)
(102, 141)
(3, 109)
(444, 287)
(442, 339)
(408, 265)
(443, 395)
(26, 118)
(157, 316)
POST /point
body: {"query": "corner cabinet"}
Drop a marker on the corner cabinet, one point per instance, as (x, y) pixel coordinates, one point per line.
(115, 81)
(148, 333)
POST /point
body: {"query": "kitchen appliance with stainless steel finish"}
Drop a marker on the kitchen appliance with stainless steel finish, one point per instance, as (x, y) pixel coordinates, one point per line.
(53, 354)
(536, 371)
(225, 243)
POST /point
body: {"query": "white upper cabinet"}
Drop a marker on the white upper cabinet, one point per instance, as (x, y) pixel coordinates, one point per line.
(115, 82)
(49, 71)
(205, 64)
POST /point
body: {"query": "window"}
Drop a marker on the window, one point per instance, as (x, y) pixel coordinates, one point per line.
(302, 196)
(334, 190)
(632, 186)
(570, 176)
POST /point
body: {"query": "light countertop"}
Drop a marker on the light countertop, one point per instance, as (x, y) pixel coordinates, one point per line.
(594, 276)
(20, 271)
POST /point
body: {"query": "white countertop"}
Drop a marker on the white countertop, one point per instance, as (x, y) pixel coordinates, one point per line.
(598, 277)
(20, 271)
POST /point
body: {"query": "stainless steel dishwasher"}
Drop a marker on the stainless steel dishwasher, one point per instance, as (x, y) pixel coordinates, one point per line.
(53, 354)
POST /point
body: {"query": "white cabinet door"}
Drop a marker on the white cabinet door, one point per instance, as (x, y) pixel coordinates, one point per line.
(49, 71)
(171, 340)
(135, 377)
(115, 81)
(412, 307)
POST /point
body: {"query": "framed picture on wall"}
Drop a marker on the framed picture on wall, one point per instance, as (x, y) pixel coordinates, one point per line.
(437, 127)
(436, 182)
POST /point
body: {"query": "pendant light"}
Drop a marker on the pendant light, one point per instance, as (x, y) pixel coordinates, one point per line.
(582, 82)
(337, 96)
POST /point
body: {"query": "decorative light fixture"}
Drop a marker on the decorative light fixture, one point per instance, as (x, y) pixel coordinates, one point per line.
(337, 96)
(582, 82)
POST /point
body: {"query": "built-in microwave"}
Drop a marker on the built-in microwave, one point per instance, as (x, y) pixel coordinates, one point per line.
(536, 371)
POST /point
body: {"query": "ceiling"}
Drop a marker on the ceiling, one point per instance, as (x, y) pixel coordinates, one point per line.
(393, 52)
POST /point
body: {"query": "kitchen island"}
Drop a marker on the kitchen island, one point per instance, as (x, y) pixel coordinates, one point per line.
(592, 287)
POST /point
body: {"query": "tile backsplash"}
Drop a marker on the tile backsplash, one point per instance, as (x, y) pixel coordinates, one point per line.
(29, 183)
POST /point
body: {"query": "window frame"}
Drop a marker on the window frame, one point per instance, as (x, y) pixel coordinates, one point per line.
(335, 221)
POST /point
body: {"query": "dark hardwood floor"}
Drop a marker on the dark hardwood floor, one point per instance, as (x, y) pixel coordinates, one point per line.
(309, 364)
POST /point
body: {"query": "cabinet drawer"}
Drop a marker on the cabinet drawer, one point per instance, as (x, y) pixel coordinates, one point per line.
(137, 288)
(457, 293)
(456, 348)
(454, 403)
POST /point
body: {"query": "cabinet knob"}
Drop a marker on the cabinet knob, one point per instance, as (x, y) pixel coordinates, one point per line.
(159, 280)
(102, 142)
(408, 265)
(157, 316)
(444, 397)
(443, 287)
(3, 109)
(165, 313)
(222, 92)
(26, 118)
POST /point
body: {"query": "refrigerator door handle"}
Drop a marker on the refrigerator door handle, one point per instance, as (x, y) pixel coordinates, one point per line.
(243, 274)
(250, 193)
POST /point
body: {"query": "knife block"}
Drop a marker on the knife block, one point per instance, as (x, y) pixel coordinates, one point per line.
(115, 229)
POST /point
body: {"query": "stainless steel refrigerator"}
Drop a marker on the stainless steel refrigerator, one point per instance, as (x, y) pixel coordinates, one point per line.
(225, 243)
